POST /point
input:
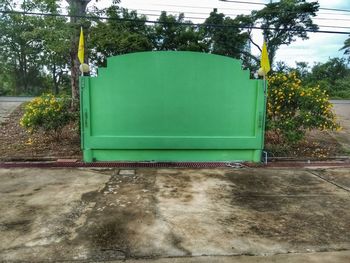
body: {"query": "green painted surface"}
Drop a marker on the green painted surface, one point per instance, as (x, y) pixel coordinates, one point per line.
(172, 106)
(171, 155)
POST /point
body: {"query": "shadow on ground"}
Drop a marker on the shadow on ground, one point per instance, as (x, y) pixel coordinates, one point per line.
(76, 214)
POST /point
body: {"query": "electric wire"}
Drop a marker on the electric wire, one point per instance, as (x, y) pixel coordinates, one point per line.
(257, 3)
(141, 11)
(168, 23)
(203, 18)
(206, 13)
(229, 14)
(226, 8)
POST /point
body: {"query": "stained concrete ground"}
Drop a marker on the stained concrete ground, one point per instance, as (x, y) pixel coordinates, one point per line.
(173, 215)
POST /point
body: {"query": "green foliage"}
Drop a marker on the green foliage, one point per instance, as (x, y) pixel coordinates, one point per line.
(46, 113)
(111, 37)
(292, 109)
(5, 83)
(27, 44)
(228, 39)
(284, 21)
(168, 35)
(346, 47)
(332, 76)
(37, 52)
(55, 51)
(334, 69)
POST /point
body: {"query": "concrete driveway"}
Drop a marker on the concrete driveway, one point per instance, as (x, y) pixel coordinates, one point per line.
(106, 214)
(9, 104)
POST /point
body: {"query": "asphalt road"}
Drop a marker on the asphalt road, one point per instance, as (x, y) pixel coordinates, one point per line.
(342, 110)
(340, 101)
(9, 104)
(15, 99)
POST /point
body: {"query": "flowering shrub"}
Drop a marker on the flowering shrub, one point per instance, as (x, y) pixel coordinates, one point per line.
(293, 109)
(47, 113)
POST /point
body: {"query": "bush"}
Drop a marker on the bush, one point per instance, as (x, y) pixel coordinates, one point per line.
(47, 113)
(293, 109)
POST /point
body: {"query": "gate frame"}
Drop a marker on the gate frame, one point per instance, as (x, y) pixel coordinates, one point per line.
(108, 149)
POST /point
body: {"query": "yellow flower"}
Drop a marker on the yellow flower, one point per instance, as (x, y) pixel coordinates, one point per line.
(29, 142)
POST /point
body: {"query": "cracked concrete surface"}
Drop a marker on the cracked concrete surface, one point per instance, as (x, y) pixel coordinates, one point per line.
(103, 214)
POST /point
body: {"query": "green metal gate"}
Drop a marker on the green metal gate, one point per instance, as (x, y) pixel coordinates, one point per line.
(172, 106)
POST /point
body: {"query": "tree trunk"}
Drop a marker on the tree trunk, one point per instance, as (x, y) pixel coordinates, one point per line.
(54, 80)
(21, 84)
(25, 74)
(272, 55)
(19, 79)
(74, 71)
(77, 9)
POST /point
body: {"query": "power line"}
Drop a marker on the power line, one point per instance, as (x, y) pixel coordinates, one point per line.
(344, 27)
(257, 3)
(199, 7)
(179, 12)
(225, 8)
(335, 19)
(242, 2)
(335, 9)
(204, 18)
(173, 11)
(227, 14)
(167, 23)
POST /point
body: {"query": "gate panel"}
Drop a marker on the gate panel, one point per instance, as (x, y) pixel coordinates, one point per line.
(172, 106)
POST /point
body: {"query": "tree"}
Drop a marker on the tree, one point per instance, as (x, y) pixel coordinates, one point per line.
(285, 21)
(77, 10)
(225, 35)
(6, 81)
(293, 108)
(302, 69)
(346, 47)
(168, 34)
(332, 70)
(55, 53)
(20, 47)
(115, 37)
(282, 67)
(333, 75)
(34, 49)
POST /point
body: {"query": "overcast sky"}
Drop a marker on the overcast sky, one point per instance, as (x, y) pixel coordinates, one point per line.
(317, 49)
